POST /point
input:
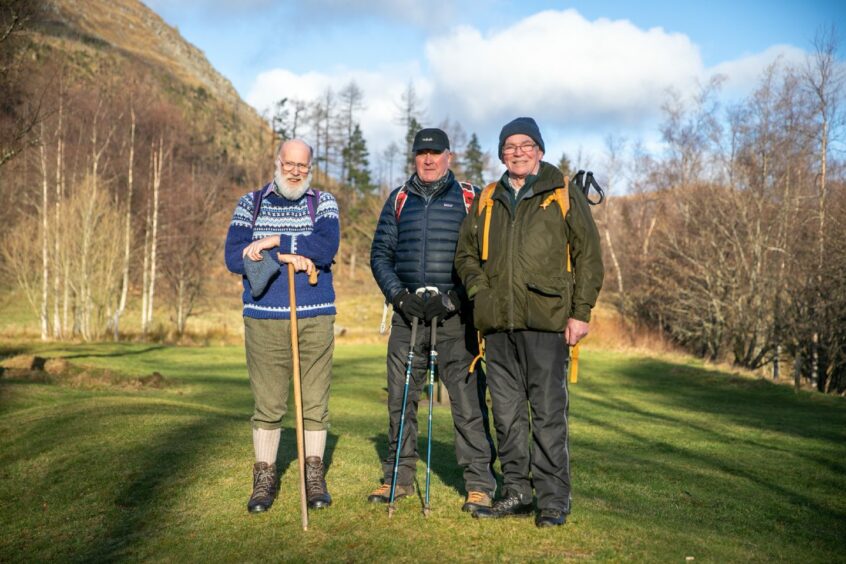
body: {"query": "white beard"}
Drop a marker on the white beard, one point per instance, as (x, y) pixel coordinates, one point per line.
(292, 193)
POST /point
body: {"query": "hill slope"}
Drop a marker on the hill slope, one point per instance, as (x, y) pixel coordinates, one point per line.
(127, 39)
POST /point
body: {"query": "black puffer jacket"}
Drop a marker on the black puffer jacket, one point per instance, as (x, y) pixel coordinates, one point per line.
(419, 250)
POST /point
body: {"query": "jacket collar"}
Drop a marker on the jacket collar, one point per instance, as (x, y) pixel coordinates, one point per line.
(549, 178)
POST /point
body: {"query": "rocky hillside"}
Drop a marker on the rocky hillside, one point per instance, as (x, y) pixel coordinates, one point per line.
(126, 37)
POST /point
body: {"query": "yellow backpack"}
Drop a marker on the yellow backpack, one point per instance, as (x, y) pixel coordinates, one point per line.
(559, 195)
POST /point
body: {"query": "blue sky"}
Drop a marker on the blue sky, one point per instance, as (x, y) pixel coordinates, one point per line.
(585, 69)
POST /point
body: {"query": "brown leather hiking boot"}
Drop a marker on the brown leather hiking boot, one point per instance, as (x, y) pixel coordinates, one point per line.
(476, 500)
(382, 494)
(316, 492)
(264, 487)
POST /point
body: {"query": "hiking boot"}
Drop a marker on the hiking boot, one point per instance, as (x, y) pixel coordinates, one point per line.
(476, 500)
(511, 505)
(382, 494)
(550, 518)
(316, 492)
(264, 487)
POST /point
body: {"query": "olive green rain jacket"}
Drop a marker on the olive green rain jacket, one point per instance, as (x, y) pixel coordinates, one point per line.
(525, 283)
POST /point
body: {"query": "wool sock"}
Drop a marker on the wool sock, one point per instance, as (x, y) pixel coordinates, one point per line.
(315, 443)
(265, 444)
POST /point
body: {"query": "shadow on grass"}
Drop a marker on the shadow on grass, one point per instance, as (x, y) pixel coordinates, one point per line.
(754, 403)
(114, 353)
(287, 455)
(139, 480)
(444, 465)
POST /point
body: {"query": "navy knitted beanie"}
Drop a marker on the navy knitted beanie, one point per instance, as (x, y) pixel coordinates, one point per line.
(524, 125)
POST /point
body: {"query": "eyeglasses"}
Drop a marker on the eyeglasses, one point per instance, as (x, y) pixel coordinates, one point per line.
(524, 147)
(288, 166)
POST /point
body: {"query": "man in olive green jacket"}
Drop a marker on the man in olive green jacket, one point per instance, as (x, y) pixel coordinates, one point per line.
(534, 274)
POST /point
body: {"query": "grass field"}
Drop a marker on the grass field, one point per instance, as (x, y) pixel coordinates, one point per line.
(671, 461)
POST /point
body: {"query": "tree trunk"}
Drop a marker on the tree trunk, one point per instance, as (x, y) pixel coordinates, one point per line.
(45, 270)
(158, 163)
(58, 331)
(145, 273)
(124, 287)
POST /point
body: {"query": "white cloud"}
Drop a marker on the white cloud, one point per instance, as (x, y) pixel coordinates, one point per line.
(562, 68)
(581, 80)
(742, 75)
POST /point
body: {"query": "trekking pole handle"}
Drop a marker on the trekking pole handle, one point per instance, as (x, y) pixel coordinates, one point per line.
(427, 289)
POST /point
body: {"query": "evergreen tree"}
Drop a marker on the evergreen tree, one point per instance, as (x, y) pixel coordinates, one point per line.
(358, 165)
(474, 161)
(280, 119)
(413, 127)
(565, 165)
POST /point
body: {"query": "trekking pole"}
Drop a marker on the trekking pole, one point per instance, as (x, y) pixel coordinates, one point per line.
(298, 398)
(408, 363)
(433, 367)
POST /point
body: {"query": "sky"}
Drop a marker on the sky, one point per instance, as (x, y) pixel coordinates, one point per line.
(585, 70)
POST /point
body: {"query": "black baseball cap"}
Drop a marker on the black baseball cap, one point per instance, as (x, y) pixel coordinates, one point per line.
(430, 138)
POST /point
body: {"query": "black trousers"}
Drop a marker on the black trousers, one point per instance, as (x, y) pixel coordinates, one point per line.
(531, 366)
(474, 448)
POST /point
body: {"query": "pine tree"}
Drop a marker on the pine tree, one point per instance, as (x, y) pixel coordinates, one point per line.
(565, 165)
(358, 165)
(279, 121)
(474, 161)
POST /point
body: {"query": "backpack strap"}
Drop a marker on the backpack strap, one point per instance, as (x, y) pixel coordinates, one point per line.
(469, 193)
(486, 202)
(312, 201)
(258, 197)
(562, 198)
(480, 356)
(399, 200)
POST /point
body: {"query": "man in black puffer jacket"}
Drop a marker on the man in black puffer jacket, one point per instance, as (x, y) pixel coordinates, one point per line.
(414, 247)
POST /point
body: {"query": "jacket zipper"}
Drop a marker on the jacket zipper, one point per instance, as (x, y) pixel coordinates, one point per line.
(425, 239)
(511, 271)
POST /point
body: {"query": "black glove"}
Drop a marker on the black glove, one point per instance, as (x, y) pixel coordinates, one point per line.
(441, 306)
(409, 305)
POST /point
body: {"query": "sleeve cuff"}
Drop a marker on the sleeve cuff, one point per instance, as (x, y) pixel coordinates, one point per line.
(582, 313)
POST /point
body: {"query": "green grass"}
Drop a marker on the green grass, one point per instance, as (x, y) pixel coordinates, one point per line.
(669, 460)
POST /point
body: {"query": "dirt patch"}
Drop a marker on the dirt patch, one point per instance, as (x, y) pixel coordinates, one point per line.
(29, 368)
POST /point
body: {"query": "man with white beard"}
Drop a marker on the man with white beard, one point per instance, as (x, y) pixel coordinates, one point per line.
(287, 221)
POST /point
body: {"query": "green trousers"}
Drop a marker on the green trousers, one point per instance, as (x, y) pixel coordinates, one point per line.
(270, 365)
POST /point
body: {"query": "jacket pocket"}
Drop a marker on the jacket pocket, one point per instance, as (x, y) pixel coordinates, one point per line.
(485, 308)
(548, 304)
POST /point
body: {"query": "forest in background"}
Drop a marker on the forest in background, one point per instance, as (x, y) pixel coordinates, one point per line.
(119, 169)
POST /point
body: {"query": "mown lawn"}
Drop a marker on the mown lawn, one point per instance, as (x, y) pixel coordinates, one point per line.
(670, 461)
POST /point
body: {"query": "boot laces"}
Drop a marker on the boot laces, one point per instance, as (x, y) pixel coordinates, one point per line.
(314, 476)
(263, 485)
(382, 490)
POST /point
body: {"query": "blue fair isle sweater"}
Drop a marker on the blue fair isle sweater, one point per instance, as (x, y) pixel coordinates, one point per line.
(292, 222)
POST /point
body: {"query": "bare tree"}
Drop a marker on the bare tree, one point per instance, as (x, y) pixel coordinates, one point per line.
(151, 235)
(127, 246)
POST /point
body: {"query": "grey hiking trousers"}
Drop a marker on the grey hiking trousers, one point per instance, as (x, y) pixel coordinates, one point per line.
(530, 367)
(474, 448)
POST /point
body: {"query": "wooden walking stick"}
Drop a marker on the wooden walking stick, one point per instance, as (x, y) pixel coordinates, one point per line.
(298, 397)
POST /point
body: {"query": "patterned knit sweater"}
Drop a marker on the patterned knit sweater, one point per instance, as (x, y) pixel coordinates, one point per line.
(292, 222)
